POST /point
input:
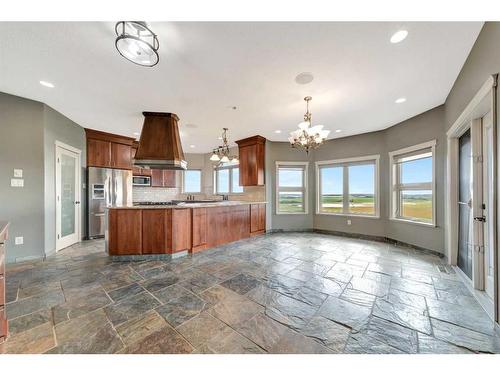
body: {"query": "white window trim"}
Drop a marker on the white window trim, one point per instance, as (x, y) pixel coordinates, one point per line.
(216, 187)
(393, 204)
(305, 188)
(376, 159)
(184, 184)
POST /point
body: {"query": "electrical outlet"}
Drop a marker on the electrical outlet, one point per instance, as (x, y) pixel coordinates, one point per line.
(349, 222)
(16, 182)
(19, 240)
(18, 173)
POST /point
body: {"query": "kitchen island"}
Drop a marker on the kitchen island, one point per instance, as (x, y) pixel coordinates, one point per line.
(165, 232)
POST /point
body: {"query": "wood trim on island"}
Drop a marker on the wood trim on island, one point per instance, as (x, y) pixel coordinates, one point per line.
(174, 230)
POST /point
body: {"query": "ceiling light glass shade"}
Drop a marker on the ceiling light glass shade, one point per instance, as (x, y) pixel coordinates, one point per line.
(304, 125)
(324, 133)
(224, 159)
(214, 157)
(137, 43)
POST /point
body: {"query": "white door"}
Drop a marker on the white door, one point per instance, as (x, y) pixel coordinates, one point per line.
(68, 207)
(488, 201)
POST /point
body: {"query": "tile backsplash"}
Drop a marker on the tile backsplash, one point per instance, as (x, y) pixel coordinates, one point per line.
(154, 194)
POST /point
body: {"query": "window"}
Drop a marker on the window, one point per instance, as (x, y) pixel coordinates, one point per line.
(192, 181)
(227, 180)
(348, 186)
(412, 184)
(291, 187)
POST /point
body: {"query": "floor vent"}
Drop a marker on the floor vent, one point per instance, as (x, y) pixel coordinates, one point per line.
(444, 268)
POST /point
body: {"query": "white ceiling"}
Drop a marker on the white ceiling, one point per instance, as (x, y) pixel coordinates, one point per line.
(206, 68)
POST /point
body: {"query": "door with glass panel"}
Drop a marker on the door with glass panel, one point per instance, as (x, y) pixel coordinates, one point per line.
(465, 250)
(489, 204)
(68, 207)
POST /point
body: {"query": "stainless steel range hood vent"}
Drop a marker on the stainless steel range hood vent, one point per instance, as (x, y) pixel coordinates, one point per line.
(160, 144)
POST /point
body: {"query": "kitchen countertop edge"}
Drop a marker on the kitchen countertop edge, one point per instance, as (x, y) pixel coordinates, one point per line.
(186, 205)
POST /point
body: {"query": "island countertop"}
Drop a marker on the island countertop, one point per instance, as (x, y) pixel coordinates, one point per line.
(188, 205)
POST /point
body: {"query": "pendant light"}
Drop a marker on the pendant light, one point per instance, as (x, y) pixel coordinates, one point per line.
(308, 137)
(221, 154)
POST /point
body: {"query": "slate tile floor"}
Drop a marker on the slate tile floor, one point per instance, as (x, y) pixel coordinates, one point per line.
(279, 293)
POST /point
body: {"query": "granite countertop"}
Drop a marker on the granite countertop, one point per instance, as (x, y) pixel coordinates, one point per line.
(3, 230)
(188, 205)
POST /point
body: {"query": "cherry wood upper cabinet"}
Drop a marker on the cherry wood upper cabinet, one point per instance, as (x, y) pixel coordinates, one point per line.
(162, 178)
(120, 156)
(98, 153)
(108, 150)
(252, 160)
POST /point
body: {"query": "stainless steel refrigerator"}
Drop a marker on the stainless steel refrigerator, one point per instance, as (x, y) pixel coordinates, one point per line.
(106, 187)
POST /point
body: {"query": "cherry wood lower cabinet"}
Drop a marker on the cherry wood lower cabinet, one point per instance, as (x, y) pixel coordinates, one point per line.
(172, 230)
(156, 238)
(199, 228)
(181, 229)
(257, 218)
(125, 232)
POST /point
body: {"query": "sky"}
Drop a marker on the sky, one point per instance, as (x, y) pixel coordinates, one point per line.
(361, 177)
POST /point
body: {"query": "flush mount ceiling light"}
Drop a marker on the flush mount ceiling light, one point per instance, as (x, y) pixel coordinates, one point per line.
(137, 43)
(308, 137)
(277, 131)
(400, 100)
(399, 36)
(221, 154)
(338, 130)
(47, 84)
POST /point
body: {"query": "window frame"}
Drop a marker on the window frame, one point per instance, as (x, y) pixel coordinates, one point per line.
(396, 187)
(230, 167)
(304, 188)
(184, 181)
(345, 163)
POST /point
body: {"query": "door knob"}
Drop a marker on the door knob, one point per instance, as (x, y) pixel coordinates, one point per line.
(77, 202)
(480, 218)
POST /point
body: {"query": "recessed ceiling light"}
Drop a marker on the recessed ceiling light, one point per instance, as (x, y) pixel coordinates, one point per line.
(400, 100)
(277, 131)
(47, 84)
(136, 133)
(338, 130)
(304, 78)
(220, 138)
(192, 146)
(399, 36)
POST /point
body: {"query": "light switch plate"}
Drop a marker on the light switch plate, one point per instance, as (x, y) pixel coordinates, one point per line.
(18, 173)
(349, 222)
(16, 182)
(19, 240)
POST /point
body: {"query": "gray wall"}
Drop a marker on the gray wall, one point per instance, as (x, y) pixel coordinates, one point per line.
(280, 151)
(28, 131)
(422, 128)
(21, 147)
(483, 60)
(60, 128)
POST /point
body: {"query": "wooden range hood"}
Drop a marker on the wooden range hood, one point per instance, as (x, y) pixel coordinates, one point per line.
(160, 144)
